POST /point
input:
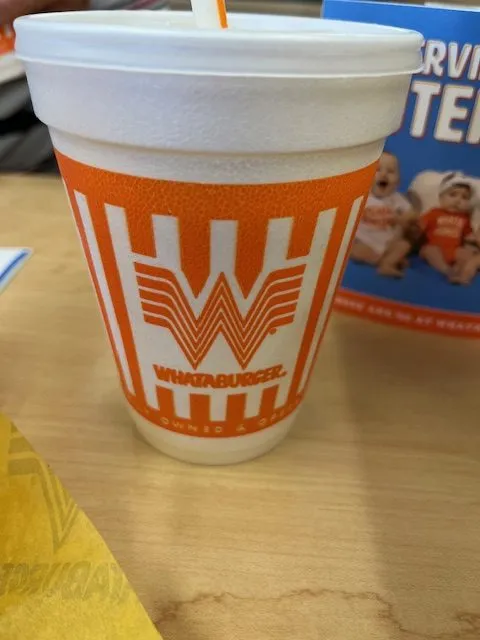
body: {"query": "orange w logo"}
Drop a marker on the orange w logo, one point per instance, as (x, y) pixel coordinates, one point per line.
(165, 304)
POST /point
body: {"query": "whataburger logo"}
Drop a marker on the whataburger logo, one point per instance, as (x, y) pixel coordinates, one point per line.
(264, 249)
(165, 304)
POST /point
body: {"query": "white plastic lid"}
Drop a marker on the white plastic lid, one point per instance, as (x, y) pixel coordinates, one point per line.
(167, 41)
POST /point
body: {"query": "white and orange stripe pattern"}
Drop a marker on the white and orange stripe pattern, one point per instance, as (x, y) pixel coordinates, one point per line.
(215, 319)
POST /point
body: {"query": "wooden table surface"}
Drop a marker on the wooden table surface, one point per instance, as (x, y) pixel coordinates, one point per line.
(363, 524)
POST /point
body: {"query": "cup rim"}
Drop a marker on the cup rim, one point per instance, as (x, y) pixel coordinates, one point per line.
(255, 44)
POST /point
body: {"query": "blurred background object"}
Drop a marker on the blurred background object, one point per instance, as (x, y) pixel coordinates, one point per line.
(308, 8)
(286, 7)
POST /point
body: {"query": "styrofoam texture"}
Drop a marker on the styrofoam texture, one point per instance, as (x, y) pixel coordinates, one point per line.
(210, 168)
(253, 45)
(210, 451)
(220, 129)
(216, 168)
(223, 113)
(217, 114)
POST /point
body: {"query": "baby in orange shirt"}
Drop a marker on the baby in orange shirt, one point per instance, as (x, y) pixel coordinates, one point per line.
(445, 229)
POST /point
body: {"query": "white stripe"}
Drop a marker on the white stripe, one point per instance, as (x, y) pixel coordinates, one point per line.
(165, 231)
(330, 291)
(218, 405)
(103, 286)
(278, 240)
(254, 399)
(181, 401)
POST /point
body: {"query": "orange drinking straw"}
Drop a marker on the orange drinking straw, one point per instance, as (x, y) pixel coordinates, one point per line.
(222, 14)
(210, 14)
(7, 38)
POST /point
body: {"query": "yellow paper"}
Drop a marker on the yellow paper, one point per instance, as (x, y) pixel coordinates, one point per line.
(57, 577)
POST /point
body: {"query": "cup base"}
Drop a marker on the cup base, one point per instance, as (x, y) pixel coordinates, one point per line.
(210, 451)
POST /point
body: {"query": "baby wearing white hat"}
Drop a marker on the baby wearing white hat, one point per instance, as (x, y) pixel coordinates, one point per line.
(447, 242)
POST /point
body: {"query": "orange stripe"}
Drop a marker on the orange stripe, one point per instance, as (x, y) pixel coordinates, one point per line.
(222, 14)
(148, 270)
(268, 401)
(302, 236)
(195, 252)
(236, 407)
(141, 235)
(165, 401)
(200, 408)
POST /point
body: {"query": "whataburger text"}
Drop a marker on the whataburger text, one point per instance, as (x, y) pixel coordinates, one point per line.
(219, 380)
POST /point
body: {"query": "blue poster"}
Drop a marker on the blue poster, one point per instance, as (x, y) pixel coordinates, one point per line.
(415, 260)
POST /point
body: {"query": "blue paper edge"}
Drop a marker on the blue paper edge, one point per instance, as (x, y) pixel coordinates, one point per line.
(14, 266)
(397, 5)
